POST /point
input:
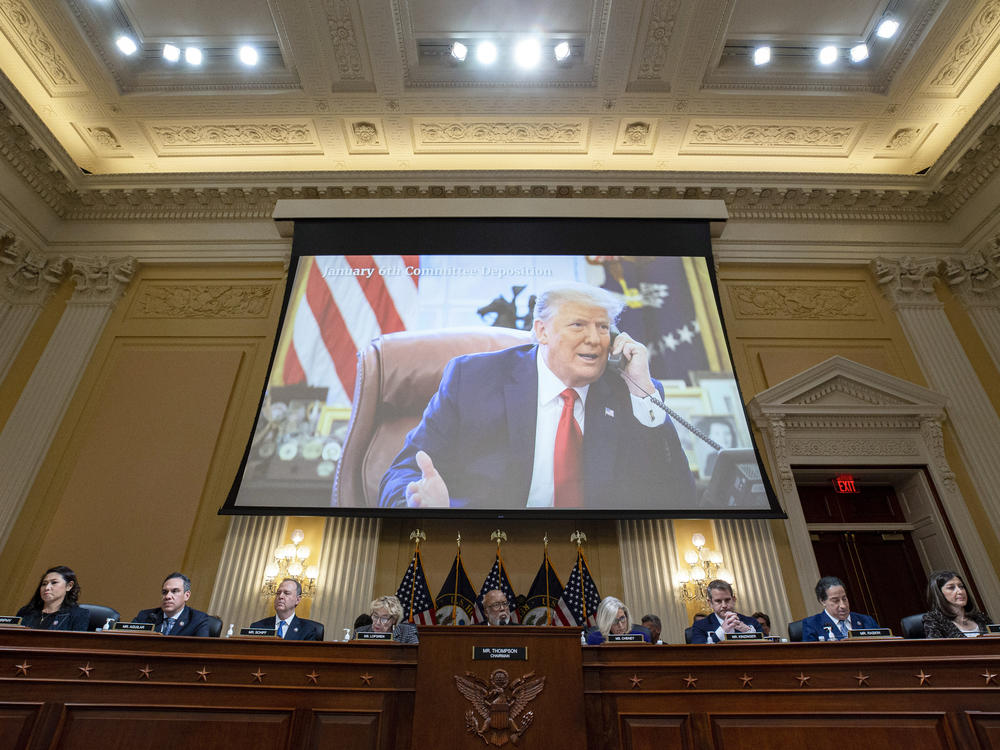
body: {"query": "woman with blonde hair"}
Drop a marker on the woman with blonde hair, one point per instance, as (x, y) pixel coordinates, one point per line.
(386, 613)
(613, 618)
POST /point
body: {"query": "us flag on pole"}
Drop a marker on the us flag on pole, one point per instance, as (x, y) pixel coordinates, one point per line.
(414, 594)
(580, 598)
(542, 604)
(497, 579)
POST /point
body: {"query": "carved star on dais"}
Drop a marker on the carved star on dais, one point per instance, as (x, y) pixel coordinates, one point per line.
(990, 677)
(85, 670)
(367, 678)
(22, 669)
(145, 672)
(258, 676)
(313, 677)
(690, 681)
(203, 674)
(803, 679)
(925, 679)
(636, 681)
(862, 679)
(747, 680)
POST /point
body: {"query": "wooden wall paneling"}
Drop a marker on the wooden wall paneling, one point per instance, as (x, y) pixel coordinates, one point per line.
(645, 732)
(985, 727)
(18, 722)
(349, 729)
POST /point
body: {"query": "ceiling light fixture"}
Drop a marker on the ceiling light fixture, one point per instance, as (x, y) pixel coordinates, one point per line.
(126, 44)
(459, 51)
(562, 51)
(762, 56)
(171, 53)
(486, 53)
(859, 52)
(828, 55)
(887, 29)
(528, 53)
(192, 55)
(248, 55)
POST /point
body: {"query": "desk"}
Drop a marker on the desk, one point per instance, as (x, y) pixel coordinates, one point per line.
(104, 691)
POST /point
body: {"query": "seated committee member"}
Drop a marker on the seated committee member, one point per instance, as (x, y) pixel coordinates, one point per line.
(613, 619)
(724, 618)
(285, 622)
(763, 622)
(54, 606)
(386, 613)
(174, 617)
(836, 619)
(496, 608)
(952, 612)
(548, 424)
(653, 624)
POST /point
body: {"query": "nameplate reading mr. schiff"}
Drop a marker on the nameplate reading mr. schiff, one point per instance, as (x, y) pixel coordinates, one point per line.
(509, 653)
(870, 633)
(134, 627)
(371, 635)
(625, 638)
(754, 636)
(258, 632)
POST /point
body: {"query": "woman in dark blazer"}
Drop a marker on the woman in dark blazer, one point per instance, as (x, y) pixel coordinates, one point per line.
(54, 604)
(386, 613)
(952, 612)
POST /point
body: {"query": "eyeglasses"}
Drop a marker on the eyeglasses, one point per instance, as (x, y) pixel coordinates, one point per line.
(382, 618)
(497, 605)
(621, 620)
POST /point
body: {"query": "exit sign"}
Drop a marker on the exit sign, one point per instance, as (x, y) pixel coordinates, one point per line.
(844, 484)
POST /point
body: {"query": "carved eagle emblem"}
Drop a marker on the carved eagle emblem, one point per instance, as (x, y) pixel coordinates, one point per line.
(500, 705)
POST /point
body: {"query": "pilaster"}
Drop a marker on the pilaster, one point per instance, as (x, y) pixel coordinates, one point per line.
(975, 281)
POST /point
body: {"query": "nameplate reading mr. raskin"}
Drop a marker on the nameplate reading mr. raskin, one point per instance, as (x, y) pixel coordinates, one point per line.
(9, 620)
(373, 636)
(754, 636)
(509, 653)
(625, 638)
(134, 627)
(870, 633)
(259, 632)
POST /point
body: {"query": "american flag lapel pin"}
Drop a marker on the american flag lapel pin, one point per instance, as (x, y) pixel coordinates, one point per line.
(609, 412)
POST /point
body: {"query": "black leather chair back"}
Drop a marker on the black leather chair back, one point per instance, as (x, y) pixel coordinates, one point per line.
(912, 626)
(687, 633)
(99, 615)
(795, 631)
(214, 626)
(320, 628)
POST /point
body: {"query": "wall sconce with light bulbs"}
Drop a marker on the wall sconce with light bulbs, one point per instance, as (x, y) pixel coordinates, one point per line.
(290, 562)
(704, 566)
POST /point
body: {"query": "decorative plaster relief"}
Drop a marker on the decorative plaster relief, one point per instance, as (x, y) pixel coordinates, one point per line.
(763, 137)
(653, 56)
(202, 301)
(853, 447)
(907, 281)
(969, 52)
(800, 302)
(340, 21)
(904, 141)
(548, 134)
(366, 137)
(102, 140)
(100, 280)
(28, 275)
(974, 278)
(635, 137)
(857, 394)
(37, 46)
(234, 138)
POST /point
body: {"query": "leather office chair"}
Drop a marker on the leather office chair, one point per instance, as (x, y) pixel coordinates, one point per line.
(687, 633)
(321, 629)
(214, 626)
(795, 631)
(398, 373)
(99, 614)
(912, 626)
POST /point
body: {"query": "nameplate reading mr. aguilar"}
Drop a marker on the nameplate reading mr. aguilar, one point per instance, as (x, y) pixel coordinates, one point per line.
(625, 638)
(134, 627)
(371, 635)
(754, 636)
(870, 633)
(508, 653)
(259, 632)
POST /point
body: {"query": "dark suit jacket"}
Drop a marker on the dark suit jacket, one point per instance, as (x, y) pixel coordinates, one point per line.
(479, 429)
(69, 617)
(403, 632)
(815, 626)
(298, 629)
(189, 622)
(703, 631)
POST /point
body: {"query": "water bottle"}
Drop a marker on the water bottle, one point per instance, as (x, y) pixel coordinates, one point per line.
(229, 632)
(107, 624)
(347, 634)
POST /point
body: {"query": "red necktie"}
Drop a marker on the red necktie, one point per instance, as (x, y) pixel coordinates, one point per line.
(567, 479)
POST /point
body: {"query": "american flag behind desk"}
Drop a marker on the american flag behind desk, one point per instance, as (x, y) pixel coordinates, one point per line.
(497, 579)
(580, 597)
(336, 315)
(414, 594)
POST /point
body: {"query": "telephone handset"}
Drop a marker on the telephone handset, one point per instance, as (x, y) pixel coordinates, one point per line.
(616, 361)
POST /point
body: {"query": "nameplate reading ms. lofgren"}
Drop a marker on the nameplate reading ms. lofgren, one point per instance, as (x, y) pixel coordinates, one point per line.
(134, 627)
(259, 632)
(870, 633)
(371, 635)
(754, 636)
(509, 653)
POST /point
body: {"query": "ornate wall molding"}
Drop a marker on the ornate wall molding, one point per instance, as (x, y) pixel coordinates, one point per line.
(99, 280)
(770, 135)
(908, 282)
(659, 31)
(798, 302)
(562, 134)
(975, 279)
(40, 49)
(202, 301)
(346, 52)
(29, 276)
(234, 138)
(853, 447)
(952, 77)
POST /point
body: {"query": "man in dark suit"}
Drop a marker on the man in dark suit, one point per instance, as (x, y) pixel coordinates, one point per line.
(725, 619)
(546, 425)
(836, 620)
(496, 608)
(285, 622)
(174, 617)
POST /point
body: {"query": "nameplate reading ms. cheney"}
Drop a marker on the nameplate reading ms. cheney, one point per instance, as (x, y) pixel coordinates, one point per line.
(510, 653)
(625, 638)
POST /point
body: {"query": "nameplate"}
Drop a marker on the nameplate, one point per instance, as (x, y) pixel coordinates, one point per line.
(993, 628)
(625, 638)
(134, 627)
(754, 636)
(508, 653)
(9, 620)
(259, 632)
(870, 633)
(371, 635)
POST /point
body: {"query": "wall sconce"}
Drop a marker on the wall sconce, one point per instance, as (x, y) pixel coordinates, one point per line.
(704, 566)
(290, 562)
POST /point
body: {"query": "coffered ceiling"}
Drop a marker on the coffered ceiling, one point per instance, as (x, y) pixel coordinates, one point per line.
(367, 86)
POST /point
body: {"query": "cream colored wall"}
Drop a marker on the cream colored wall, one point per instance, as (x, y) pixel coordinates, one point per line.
(130, 488)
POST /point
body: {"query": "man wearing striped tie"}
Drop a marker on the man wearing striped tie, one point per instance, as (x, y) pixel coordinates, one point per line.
(836, 620)
(174, 617)
(285, 622)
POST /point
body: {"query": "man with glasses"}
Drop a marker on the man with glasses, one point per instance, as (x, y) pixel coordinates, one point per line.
(497, 608)
(285, 622)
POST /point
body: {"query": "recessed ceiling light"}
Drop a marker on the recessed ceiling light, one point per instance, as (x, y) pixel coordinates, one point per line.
(528, 53)
(248, 55)
(562, 51)
(762, 56)
(126, 44)
(828, 55)
(887, 29)
(192, 55)
(486, 53)
(859, 52)
(171, 53)
(459, 51)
